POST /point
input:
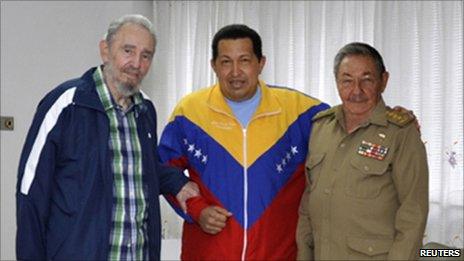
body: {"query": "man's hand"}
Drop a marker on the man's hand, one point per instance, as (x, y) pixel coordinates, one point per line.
(213, 219)
(189, 190)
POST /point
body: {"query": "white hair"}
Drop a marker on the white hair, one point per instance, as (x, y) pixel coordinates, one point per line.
(137, 19)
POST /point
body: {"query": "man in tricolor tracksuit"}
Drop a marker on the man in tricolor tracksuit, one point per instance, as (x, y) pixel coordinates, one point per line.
(245, 143)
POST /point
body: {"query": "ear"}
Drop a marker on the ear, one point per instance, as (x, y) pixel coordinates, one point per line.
(213, 65)
(385, 76)
(262, 62)
(104, 51)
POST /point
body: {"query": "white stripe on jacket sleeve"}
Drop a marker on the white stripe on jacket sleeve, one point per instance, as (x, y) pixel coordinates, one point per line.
(47, 125)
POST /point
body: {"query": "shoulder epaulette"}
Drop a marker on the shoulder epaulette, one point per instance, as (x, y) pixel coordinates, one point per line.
(324, 113)
(399, 118)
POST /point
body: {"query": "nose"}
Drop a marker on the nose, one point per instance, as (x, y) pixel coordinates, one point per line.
(236, 70)
(136, 61)
(357, 87)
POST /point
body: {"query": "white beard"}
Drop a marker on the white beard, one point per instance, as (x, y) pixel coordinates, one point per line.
(125, 89)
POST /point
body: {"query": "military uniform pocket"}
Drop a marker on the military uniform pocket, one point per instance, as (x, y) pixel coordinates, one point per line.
(313, 168)
(368, 248)
(367, 177)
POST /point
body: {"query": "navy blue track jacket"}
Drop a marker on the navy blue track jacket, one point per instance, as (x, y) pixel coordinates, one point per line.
(65, 183)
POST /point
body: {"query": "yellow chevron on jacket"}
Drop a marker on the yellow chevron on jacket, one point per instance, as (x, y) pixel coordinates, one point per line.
(278, 108)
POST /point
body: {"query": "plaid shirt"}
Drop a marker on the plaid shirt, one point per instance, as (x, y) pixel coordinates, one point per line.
(128, 238)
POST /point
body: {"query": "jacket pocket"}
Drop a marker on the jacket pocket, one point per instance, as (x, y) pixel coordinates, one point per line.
(368, 247)
(313, 168)
(367, 177)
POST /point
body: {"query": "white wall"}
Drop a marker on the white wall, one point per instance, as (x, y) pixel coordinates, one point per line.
(44, 43)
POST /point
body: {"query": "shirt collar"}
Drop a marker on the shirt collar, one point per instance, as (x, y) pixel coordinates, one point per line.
(378, 116)
(256, 96)
(269, 104)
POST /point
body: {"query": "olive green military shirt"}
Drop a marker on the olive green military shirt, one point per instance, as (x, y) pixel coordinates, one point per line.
(367, 192)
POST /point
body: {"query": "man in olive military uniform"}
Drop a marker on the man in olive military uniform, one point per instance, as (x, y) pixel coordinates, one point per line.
(367, 177)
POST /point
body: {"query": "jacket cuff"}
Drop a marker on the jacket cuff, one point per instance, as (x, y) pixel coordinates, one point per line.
(182, 180)
(195, 206)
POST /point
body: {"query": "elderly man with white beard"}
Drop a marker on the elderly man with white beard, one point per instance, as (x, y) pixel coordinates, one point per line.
(89, 175)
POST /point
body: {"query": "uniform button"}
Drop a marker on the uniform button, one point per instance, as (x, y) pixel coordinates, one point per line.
(327, 191)
(366, 168)
(342, 145)
(370, 249)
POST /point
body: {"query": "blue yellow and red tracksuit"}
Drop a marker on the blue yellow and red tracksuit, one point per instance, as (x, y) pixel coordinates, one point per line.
(255, 171)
